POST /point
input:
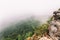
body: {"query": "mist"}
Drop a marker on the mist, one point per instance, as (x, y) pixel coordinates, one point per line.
(15, 10)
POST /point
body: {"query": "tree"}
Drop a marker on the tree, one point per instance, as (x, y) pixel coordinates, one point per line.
(22, 29)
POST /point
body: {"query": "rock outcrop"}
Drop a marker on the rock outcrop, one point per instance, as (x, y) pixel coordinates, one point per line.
(54, 27)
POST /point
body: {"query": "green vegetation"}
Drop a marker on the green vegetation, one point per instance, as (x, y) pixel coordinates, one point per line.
(41, 29)
(24, 29)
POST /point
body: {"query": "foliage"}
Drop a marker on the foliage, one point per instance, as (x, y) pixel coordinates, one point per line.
(41, 29)
(25, 29)
(51, 18)
(20, 30)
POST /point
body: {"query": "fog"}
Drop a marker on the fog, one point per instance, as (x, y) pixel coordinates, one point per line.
(15, 10)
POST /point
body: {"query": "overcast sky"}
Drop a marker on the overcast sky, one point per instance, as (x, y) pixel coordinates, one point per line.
(14, 10)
